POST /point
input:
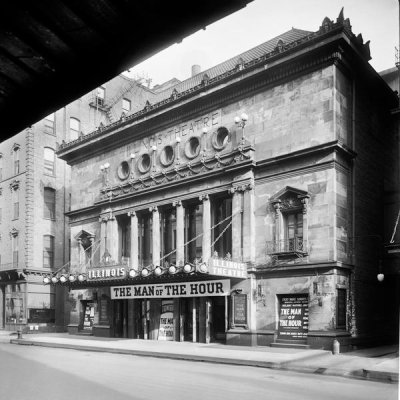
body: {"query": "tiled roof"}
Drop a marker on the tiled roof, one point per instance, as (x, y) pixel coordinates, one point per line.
(266, 47)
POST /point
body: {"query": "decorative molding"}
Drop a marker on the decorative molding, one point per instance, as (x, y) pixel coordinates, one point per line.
(203, 197)
(14, 232)
(239, 157)
(242, 187)
(327, 27)
(14, 185)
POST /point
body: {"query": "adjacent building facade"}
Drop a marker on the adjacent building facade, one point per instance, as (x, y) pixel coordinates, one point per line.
(34, 197)
(243, 205)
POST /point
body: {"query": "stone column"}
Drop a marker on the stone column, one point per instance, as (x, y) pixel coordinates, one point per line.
(113, 239)
(103, 235)
(134, 240)
(304, 200)
(279, 228)
(206, 243)
(249, 225)
(180, 233)
(156, 235)
(237, 234)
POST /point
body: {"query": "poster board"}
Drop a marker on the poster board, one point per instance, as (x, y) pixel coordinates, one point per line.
(166, 329)
(239, 311)
(293, 317)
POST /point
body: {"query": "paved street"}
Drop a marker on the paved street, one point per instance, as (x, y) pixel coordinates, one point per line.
(30, 372)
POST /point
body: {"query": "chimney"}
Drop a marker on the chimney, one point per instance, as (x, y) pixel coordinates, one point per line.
(196, 69)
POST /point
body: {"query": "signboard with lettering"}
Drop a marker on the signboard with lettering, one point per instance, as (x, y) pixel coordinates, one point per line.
(293, 318)
(210, 121)
(172, 290)
(41, 315)
(239, 310)
(166, 330)
(115, 272)
(233, 269)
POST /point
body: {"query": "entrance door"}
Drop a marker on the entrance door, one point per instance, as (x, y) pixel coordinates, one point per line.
(190, 314)
(120, 318)
(217, 319)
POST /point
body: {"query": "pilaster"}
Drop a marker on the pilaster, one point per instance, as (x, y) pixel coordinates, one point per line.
(206, 242)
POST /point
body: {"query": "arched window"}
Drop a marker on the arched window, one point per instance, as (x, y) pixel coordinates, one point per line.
(49, 209)
(48, 251)
(49, 161)
(16, 150)
(74, 128)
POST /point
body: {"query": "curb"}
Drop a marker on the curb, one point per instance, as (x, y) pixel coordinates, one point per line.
(363, 374)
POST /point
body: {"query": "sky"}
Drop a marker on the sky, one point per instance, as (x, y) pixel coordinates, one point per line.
(261, 20)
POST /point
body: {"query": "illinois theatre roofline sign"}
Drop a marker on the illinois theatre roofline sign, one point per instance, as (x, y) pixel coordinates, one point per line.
(233, 269)
(170, 290)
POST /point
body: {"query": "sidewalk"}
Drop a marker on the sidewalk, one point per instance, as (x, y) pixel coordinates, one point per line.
(379, 363)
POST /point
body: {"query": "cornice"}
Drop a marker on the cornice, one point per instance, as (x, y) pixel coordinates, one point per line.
(287, 60)
(329, 147)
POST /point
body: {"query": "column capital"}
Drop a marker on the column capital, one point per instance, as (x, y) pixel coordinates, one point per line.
(153, 208)
(103, 219)
(177, 203)
(203, 197)
(241, 188)
(131, 213)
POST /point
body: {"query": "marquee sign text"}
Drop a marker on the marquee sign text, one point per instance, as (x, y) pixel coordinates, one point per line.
(171, 290)
(229, 268)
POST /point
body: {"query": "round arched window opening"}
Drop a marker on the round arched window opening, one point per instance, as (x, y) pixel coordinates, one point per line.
(144, 163)
(123, 170)
(167, 156)
(220, 138)
(192, 147)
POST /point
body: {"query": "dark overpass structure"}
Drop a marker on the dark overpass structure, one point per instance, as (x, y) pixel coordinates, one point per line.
(54, 51)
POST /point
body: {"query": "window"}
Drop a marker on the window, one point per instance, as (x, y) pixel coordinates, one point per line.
(293, 230)
(291, 216)
(15, 196)
(100, 96)
(124, 228)
(16, 160)
(168, 235)
(49, 161)
(145, 224)
(126, 105)
(74, 128)
(49, 124)
(341, 308)
(48, 251)
(49, 210)
(14, 245)
(222, 233)
(193, 228)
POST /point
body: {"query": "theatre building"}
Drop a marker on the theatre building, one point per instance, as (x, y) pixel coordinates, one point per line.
(227, 209)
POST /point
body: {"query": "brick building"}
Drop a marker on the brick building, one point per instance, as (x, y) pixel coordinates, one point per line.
(34, 197)
(244, 204)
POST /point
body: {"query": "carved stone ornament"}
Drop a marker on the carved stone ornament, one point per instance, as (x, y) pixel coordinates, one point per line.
(14, 232)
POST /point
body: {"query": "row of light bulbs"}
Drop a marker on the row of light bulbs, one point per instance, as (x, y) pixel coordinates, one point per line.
(172, 269)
